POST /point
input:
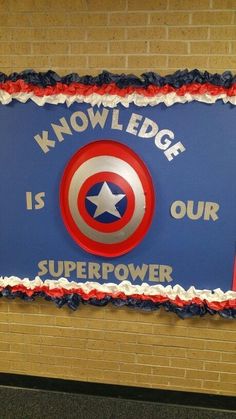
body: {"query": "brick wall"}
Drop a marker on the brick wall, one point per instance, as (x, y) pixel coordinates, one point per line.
(119, 35)
(110, 345)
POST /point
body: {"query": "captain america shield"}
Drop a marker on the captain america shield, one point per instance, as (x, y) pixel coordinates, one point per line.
(106, 198)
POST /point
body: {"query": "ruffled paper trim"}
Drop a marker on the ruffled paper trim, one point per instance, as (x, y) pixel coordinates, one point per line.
(185, 303)
(109, 89)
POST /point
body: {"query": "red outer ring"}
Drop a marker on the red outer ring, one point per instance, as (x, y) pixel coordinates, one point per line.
(115, 149)
(100, 177)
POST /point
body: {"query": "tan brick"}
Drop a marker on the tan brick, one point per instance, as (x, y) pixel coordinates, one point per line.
(3, 306)
(42, 5)
(124, 377)
(60, 341)
(211, 18)
(5, 366)
(188, 34)
(156, 380)
(108, 5)
(146, 61)
(71, 60)
(4, 317)
(171, 341)
(122, 337)
(4, 6)
(227, 378)
(168, 47)
(30, 61)
(45, 307)
(11, 356)
(128, 19)
(8, 48)
(170, 18)
(95, 374)
(189, 62)
(105, 34)
(167, 330)
(214, 376)
(39, 320)
(153, 360)
(4, 346)
(101, 344)
(220, 323)
(207, 47)
(99, 324)
(225, 4)
(106, 62)
(186, 363)
(119, 356)
(135, 348)
(169, 351)
(177, 383)
(168, 371)
(90, 312)
(155, 317)
(74, 323)
(22, 6)
(200, 322)
(128, 47)
(13, 20)
(204, 355)
(135, 327)
(227, 62)
(212, 334)
(224, 388)
(16, 318)
(4, 35)
(147, 4)
(122, 314)
(64, 34)
(221, 367)
(50, 48)
(233, 47)
(88, 19)
(11, 337)
(30, 339)
(4, 327)
(24, 329)
(89, 48)
(55, 370)
(27, 307)
(24, 348)
(228, 357)
(223, 32)
(189, 4)
(49, 19)
(146, 33)
(19, 366)
(136, 368)
(22, 34)
(67, 352)
(142, 380)
(62, 5)
(63, 71)
(103, 364)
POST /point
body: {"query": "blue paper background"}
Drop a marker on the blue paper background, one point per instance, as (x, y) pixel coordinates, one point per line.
(200, 252)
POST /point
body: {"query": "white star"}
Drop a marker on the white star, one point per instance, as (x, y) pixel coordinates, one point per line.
(106, 201)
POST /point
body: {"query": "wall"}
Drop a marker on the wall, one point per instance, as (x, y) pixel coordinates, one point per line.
(111, 345)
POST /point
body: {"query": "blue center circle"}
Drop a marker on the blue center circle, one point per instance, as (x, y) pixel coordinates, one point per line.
(105, 217)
